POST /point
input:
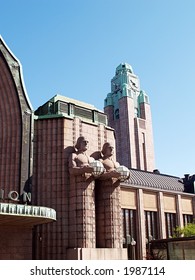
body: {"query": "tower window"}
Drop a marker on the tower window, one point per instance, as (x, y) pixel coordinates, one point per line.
(144, 151)
(116, 113)
(136, 112)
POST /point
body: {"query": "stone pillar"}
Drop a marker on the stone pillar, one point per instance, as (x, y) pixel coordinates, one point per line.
(193, 206)
(141, 225)
(82, 212)
(179, 211)
(161, 215)
(108, 214)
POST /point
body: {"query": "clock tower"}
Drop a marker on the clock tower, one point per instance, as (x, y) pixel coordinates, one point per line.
(128, 111)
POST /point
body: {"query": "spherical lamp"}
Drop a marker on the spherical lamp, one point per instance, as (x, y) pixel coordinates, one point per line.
(124, 171)
(97, 167)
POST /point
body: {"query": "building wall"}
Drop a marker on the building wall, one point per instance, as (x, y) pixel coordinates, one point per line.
(15, 243)
(54, 139)
(50, 186)
(144, 143)
(126, 155)
(134, 136)
(154, 201)
(15, 127)
(15, 155)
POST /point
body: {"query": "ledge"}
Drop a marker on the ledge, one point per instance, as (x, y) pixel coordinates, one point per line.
(25, 215)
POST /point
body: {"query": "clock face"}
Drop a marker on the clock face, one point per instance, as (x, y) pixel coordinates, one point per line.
(133, 83)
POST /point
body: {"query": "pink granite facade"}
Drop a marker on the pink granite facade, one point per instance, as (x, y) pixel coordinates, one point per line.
(129, 113)
(108, 214)
(134, 136)
(73, 197)
(82, 222)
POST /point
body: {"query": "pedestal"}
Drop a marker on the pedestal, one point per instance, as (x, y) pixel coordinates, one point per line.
(108, 214)
(97, 254)
(82, 212)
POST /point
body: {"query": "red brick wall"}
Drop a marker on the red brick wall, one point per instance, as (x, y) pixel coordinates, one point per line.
(15, 243)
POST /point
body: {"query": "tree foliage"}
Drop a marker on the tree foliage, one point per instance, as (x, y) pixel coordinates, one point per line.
(186, 231)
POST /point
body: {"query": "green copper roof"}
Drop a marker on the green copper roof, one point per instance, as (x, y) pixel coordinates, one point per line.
(143, 97)
(124, 66)
(60, 106)
(62, 98)
(125, 84)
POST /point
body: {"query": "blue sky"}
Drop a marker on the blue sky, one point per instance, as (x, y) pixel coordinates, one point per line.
(72, 48)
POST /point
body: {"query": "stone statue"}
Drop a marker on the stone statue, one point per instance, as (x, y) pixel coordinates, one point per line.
(108, 207)
(79, 160)
(109, 164)
(82, 232)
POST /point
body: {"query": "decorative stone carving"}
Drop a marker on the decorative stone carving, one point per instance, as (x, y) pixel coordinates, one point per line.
(108, 206)
(82, 232)
(79, 162)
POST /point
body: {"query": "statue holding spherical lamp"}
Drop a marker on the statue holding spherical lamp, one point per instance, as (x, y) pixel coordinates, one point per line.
(108, 205)
(82, 170)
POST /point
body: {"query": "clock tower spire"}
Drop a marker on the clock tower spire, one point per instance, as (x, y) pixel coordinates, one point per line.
(128, 111)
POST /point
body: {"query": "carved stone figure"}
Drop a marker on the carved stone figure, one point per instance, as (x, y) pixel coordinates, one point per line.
(108, 207)
(80, 160)
(109, 164)
(82, 232)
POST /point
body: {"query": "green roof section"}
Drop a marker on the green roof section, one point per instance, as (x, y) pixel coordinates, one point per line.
(125, 84)
(124, 66)
(143, 97)
(65, 107)
(59, 97)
